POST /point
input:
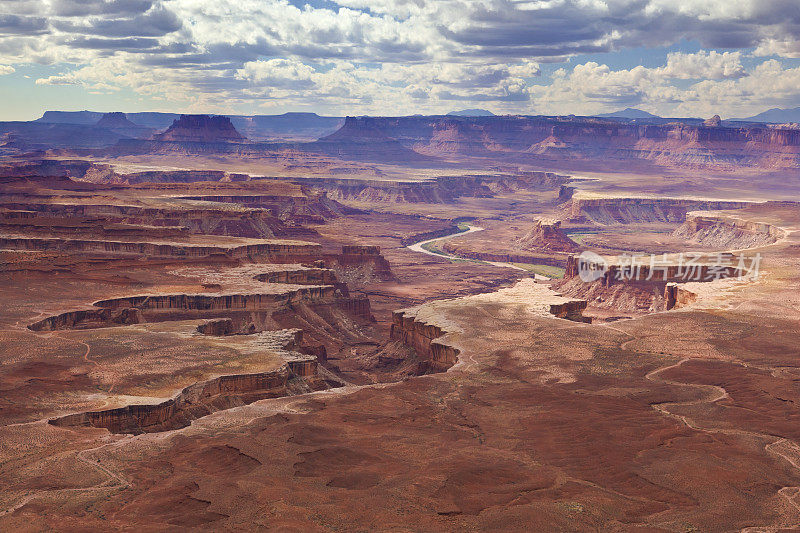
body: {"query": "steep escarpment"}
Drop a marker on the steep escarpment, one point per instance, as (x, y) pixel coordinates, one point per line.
(607, 210)
(358, 263)
(726, 231)
(297, 375)
(422, 328)
(421, 337)
(440, 189)
(170, 307)
(276, 251)
(521, 138)
(645, 284)
(358, 139)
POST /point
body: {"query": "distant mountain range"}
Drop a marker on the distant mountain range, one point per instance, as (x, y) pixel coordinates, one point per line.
(301, 126)
(629, 112)
(774, 116)
(471, 113)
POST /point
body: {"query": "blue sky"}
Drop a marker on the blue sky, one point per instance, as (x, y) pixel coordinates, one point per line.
(670, 57)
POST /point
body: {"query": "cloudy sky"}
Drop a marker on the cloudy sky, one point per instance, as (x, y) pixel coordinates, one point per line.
(734, 58)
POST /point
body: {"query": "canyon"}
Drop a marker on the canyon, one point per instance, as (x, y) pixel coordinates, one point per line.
(315, 323)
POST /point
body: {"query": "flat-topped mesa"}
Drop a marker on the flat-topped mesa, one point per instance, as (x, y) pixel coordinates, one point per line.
(304, 206)
(243, 308)
(637, 285)
(420, 327)
(298, 374)
(206, 219)
(436, 190)
(201, 128)
(546, 234)
(116, 120)
(686, 143)
(609, 211)
(207, 302)
(728, 231)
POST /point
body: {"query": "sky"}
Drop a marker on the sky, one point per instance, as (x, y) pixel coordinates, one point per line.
(676, 58)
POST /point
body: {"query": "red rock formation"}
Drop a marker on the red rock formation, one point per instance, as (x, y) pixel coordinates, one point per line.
(201, 128)
(727, 231)
(360, 257)
(547, 138)
(547, 235)
(217, 328)
(304, 276)
(676, 295)
(194, 401)
(631, 210)
(276, 252)
(435, 356)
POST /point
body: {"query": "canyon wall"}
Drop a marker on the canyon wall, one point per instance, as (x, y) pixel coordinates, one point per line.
(434, 356)
(727, 231)
(527, 138)
(276, 252)
(632, 210)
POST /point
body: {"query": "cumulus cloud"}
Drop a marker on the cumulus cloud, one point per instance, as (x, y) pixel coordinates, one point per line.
(711, 65)
(719, 87)
(6, 69)
(407, 55)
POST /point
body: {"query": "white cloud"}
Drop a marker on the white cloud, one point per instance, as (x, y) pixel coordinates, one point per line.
(6, 69)
(710, 65)
(364, 56)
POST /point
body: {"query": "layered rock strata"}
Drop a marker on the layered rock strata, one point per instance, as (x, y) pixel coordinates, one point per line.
(218, 393)
(725, 230)
(421, 328)
(606, 211)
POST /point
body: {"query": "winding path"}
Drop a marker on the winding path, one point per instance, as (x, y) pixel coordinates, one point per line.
(418, 247)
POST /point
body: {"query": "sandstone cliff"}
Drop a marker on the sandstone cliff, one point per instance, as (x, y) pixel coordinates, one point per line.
(727, 231)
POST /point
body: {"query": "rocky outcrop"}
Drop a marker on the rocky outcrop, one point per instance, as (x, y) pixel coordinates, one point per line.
(217, 328)
(118, 122)
(663, 269)
(727, 231)
(248, 301)
(193, 402)
(89, 318)
(201, 128)
(547, 235)
(434, 356)
(239, 222)
(165, 307)
(367, 260)
(676, 295)
(641, 286)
